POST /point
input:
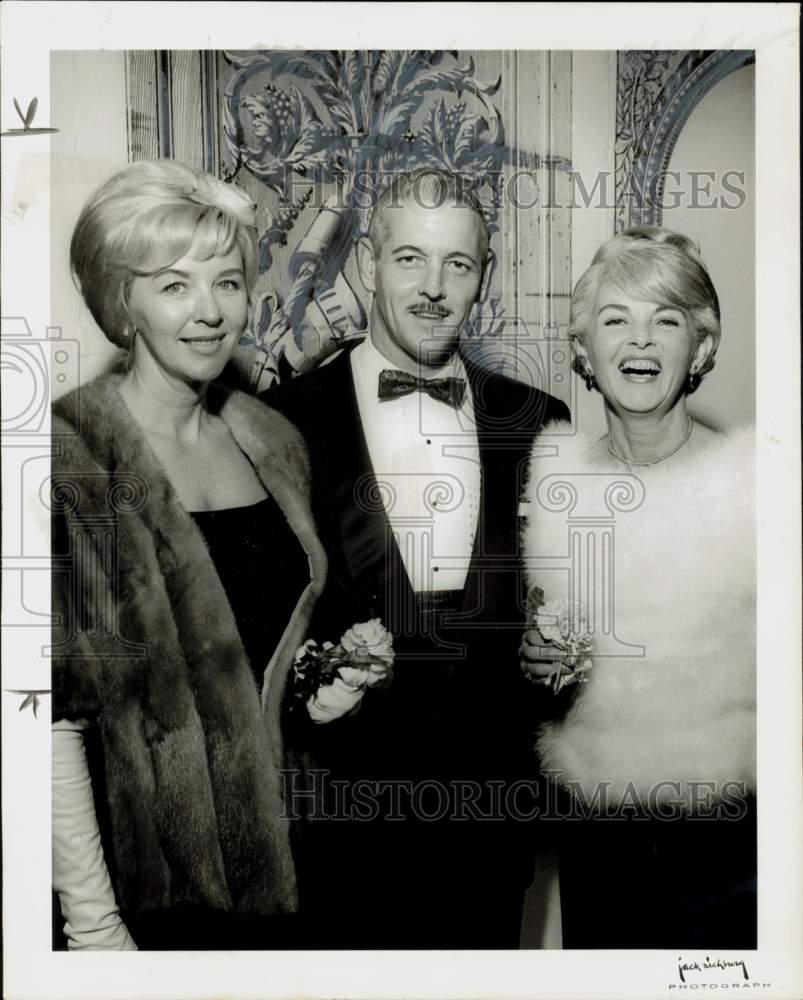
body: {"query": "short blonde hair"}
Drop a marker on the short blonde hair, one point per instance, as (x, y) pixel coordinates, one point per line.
(146, 217)
(429, 187)
(656, 265)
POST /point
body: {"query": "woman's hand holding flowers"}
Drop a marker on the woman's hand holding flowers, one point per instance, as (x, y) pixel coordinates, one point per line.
(332, 701)
(540, 662)
(332, 680)
(556, 649)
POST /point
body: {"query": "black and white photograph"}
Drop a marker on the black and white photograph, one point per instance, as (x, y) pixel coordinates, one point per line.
(401, 548)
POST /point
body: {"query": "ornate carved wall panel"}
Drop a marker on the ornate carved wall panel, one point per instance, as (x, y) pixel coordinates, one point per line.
(656, 91)
(314, 135)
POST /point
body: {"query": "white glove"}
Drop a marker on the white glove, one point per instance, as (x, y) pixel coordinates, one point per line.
(92, 919)
(331, 701)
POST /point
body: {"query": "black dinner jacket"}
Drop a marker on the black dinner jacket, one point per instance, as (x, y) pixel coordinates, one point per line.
(457, 712)
(366, 575)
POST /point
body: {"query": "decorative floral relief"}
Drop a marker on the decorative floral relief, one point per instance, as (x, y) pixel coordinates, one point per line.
(640, 93)
(656, 92)
(362, 120)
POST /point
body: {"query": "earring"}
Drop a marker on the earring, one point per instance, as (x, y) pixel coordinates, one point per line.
(693, 380)
(591, 382)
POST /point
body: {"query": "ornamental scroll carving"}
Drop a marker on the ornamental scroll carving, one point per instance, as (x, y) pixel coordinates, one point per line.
(656, 92)
(328, 130)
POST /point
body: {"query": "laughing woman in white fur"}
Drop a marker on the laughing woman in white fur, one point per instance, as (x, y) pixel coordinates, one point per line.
(190, 565)
(656, 753)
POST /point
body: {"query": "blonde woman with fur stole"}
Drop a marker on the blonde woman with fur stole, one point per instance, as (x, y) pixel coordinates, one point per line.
(186, 568)
(655, 754)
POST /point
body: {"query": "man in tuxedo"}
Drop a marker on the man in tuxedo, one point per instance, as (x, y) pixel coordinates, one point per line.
(417, 459)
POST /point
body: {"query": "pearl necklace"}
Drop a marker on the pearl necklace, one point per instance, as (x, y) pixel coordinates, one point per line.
(651, 461)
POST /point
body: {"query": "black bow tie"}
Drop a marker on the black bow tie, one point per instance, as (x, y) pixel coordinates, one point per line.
(446, 390)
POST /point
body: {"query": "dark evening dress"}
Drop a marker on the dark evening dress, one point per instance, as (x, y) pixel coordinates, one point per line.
(640, 882)
(263, 569)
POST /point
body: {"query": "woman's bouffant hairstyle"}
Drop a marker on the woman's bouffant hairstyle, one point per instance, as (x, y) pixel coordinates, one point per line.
(142, 220)
(656, 265)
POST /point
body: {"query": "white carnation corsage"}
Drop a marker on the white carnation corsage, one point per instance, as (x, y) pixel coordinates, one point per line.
(564, 625)
(332, 679)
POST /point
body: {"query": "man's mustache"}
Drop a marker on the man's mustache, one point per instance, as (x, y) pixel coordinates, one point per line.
(431, 310)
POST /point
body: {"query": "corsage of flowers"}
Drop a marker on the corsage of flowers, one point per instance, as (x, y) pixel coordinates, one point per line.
(331, 679)
(564, 625)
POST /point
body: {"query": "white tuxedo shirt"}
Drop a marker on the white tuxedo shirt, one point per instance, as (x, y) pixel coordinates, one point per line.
(426, 461)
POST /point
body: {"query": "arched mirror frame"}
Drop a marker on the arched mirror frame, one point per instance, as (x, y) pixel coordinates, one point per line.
(656, 92)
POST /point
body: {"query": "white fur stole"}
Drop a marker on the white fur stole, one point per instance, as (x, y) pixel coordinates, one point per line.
(681, 715)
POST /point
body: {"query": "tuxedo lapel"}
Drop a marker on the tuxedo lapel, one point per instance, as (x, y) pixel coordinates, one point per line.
(493, 498)
(495, 539)
(371, 556)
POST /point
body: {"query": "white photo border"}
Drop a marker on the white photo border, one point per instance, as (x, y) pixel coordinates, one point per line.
(30, 31)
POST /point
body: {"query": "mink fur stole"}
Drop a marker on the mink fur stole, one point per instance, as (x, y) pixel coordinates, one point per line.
(146, 646)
